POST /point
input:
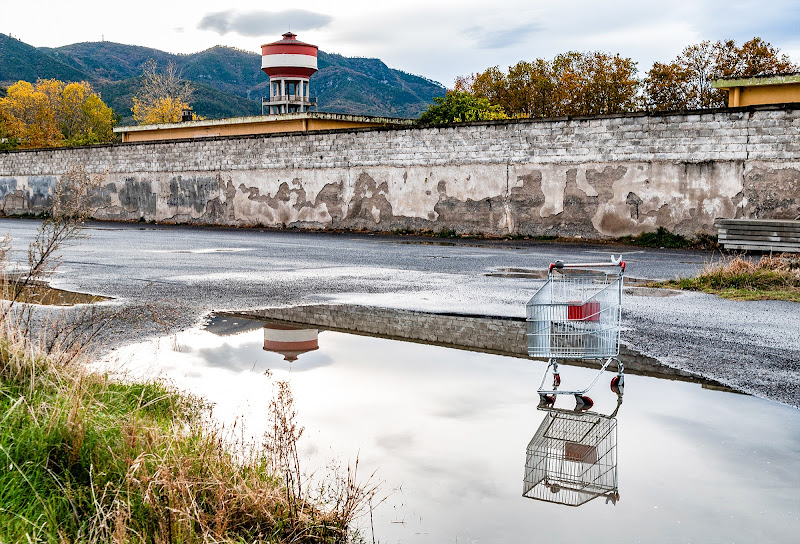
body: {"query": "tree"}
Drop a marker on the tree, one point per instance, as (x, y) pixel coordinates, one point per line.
(755, 57)
(85, 118)
(530, 88)
(7, 141)
(491, 85)
(163, 95)
(460, 107)
(53, 113)
(573, 83)
(662, 88)
(685, 83)
(594, 83)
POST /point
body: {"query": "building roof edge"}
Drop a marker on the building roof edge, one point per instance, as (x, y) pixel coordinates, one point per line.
(766, 79)
(256, 119)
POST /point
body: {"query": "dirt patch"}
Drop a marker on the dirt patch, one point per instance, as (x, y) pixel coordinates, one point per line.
(43, 294)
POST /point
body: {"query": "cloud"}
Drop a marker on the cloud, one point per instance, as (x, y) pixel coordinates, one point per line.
(261, 23)
(492, 38)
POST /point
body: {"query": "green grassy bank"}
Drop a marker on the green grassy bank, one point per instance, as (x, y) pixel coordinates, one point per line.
(84, 458)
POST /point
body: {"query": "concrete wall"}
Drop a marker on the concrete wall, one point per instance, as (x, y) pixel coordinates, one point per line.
(594, 177)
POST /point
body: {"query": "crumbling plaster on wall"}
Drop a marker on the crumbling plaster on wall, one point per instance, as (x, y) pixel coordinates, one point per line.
(686, 198)
(606, 199)
(773, 192)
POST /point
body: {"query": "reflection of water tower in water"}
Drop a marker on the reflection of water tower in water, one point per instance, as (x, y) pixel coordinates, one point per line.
(289, 63)
(291, 342)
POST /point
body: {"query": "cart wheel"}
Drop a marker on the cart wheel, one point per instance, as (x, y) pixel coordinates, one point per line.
(617, 382)
(556, 380)
(583, 402)
(546, 400)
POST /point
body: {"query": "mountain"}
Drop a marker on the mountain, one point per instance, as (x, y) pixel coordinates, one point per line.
(18, 60)
(228, 82)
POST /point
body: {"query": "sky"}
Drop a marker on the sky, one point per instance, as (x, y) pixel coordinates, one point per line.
(439, 40)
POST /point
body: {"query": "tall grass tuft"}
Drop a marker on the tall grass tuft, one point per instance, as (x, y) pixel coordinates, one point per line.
(771, 277)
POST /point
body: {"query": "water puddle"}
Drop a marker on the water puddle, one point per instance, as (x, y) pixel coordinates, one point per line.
(465, 453)
(651, 292)
(523, 273)
(203, 250)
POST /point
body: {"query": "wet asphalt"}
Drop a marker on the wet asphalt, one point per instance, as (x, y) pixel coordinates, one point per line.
(186, 272)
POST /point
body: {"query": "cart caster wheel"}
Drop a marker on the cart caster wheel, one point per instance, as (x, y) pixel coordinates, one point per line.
(556, 380)
(546, 400)
(617, 383)
(583, 403)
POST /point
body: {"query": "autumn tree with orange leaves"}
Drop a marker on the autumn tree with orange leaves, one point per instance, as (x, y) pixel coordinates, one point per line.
(685, 83)
(573, 83)
(53, 113)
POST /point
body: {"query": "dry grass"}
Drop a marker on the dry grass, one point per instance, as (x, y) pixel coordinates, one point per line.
(771, 277)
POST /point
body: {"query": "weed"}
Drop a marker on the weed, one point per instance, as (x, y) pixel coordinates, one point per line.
(771, 277)
(663, 238)
(704, 240)
(405, 231)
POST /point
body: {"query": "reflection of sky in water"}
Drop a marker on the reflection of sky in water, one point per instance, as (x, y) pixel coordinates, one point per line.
(447, 432)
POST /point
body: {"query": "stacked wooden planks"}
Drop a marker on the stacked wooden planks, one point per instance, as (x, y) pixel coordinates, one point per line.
(775, 235)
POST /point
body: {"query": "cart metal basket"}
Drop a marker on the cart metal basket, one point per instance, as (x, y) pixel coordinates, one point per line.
(576, 314)
(572, 458)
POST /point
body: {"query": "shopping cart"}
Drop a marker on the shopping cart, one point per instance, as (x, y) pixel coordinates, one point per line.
(572, 458)
(576, 315)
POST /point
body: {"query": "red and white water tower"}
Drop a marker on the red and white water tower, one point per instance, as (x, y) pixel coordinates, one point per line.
(289, 63)
(291, 342)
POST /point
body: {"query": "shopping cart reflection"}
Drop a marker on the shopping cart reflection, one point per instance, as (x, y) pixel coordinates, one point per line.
(572, 458)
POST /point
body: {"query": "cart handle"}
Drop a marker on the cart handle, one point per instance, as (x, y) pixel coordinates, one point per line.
(614, 262)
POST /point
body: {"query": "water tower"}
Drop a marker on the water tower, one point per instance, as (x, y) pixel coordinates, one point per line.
(291, 342)
(288, 63)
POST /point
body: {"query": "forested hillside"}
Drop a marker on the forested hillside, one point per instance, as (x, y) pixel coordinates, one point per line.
(228, 82)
